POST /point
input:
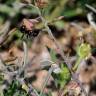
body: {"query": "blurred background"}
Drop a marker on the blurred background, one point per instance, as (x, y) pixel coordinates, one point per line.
(72, 23)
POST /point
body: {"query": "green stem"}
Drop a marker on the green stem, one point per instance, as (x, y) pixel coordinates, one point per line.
(77, 63)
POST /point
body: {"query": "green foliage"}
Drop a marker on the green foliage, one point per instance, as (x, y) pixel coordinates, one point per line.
(76, 8)
(15, 90)
(9, 1)
(72, 12)
(63, 77)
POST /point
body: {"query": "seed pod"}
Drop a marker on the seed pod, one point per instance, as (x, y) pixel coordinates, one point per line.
(41, 3)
